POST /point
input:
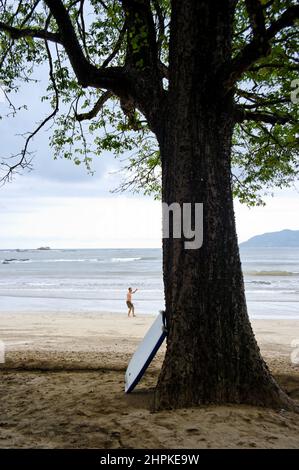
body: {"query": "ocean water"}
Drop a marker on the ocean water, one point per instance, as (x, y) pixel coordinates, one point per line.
(97, 280)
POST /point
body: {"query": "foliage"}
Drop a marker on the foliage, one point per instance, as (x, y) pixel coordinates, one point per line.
(265, 154)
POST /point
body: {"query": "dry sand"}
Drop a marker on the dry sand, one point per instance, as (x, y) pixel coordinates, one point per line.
(63, 378)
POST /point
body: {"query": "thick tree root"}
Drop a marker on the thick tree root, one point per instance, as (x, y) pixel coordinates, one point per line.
(172, 397)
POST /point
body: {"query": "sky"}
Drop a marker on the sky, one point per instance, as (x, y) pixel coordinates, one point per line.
(59, 205)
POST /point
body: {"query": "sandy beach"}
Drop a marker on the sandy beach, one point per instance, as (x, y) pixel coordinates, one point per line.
(62, 386)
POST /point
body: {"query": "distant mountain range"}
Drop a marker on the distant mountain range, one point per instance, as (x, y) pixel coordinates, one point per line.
(282, 238)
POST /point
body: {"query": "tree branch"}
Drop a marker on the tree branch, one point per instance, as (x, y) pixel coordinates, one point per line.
(87, 74)
(23, 162)
(30, 13)
(142, 50)
(161, 27)
(142, 64)
(290, 67)
(97, 107)
(27, 18)
(117, 45)
(258, 48)
(257, 19)
(17, 33)
(241, 114)
(260, 100)
(286, 20)
(103, 4)
(81, 27)
(163, 69)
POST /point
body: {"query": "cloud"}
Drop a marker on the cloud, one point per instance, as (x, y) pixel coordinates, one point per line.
(60, 205)
(82, 222)
(281, 212)
(14, 129)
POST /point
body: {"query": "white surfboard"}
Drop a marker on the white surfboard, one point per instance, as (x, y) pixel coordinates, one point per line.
(145, 353)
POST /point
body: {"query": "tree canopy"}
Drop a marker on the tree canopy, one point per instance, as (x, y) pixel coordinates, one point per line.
(95, 50)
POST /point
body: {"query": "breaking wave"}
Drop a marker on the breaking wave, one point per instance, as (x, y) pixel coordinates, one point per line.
(271, 273)
(124, 260)
(67, 260)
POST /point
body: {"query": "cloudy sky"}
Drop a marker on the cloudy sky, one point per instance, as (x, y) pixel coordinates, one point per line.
(59, 205)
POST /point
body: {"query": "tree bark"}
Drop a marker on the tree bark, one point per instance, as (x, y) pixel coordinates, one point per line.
(212, 355)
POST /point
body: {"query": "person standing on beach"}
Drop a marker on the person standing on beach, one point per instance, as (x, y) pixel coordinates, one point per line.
(129, 301)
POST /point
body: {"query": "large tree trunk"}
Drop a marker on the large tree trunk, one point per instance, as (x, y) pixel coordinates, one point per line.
(212, 355)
